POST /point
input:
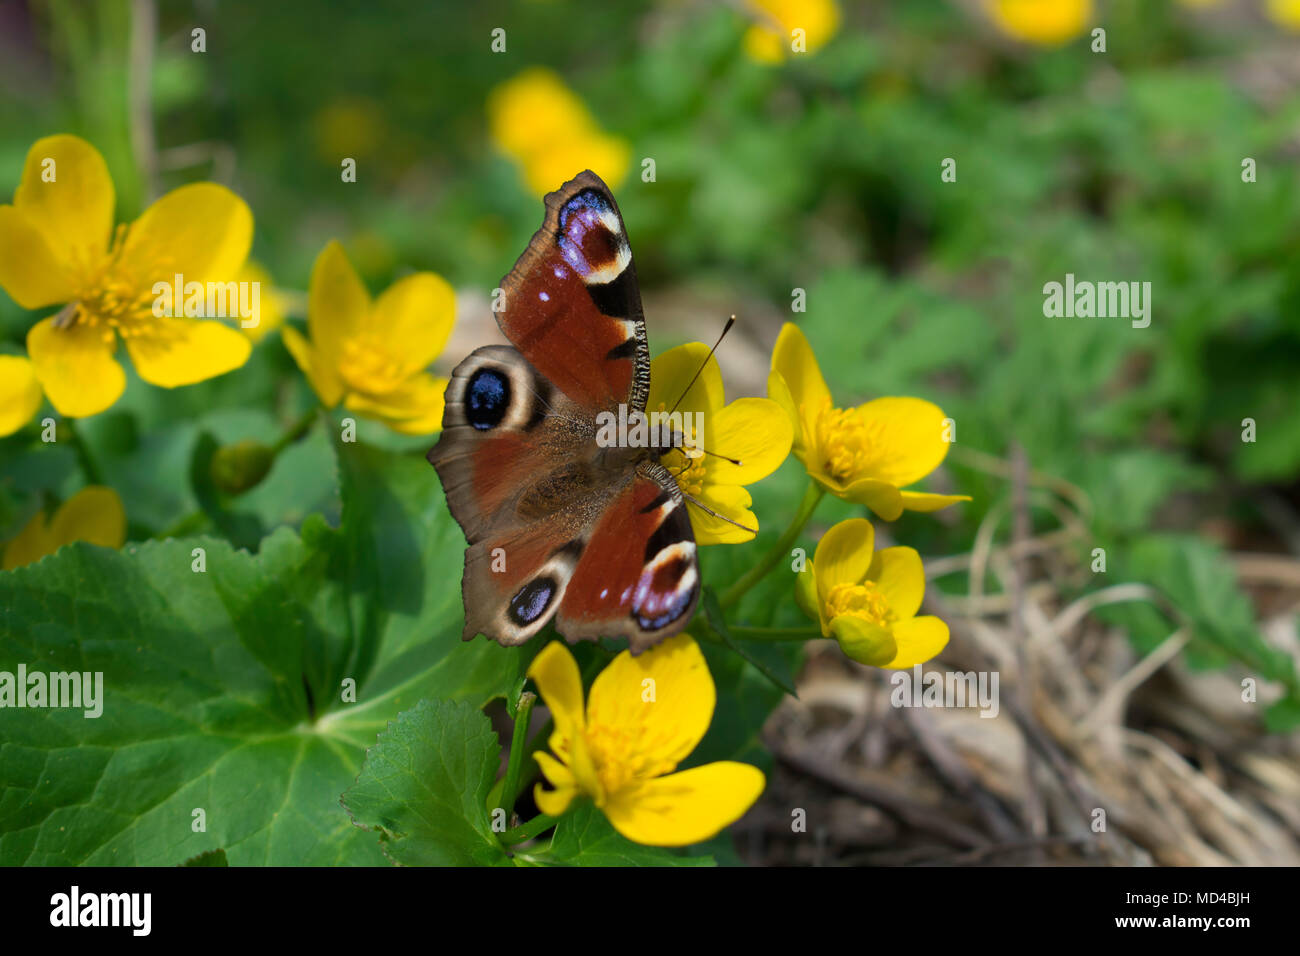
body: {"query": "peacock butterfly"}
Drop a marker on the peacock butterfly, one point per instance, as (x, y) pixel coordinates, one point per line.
(559, 525)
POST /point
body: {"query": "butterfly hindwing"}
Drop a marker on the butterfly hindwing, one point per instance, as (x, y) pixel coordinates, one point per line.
(572, 305)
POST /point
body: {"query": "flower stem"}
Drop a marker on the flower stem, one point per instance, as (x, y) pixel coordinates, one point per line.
(518, 747)
(811, 498)
(748, 633)
(296, 431)
(526, 831)
(88, 466)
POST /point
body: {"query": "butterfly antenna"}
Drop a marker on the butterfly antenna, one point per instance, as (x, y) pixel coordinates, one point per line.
(700, 371)
(705, 508)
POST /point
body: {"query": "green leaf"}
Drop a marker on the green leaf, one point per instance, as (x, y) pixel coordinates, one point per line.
(225, 690)
(424, 788)
(583, 837)
(1283, 716)
(760, 655)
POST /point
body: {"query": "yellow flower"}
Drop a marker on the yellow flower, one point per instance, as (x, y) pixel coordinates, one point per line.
(271, 302)
(20, 393)
(1041, 22)
(93, 514)
(867, 600)
(1285, 13)
(542, 125)
(58, 245)
(374, 356)
(865, 454)
(771, 39)
(643, 717)
(753, 431)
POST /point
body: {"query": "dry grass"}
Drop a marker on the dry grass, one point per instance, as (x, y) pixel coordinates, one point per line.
(1178, 762)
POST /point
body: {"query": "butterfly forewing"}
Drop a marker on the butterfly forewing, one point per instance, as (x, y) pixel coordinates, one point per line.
(596, 539)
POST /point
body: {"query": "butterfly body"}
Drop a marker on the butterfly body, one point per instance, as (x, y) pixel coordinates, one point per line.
(561, 527)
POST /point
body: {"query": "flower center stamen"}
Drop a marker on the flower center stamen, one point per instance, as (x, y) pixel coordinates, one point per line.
(366, 367)
(848, 442)
(620, 755)
(112, 297)
(862, 601)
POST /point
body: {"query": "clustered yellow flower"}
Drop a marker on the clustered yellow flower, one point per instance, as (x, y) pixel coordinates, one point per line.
(772, 37)
(544, 127)
(1285, 13)
(374, 357)
(753, 434)
(93, 514)
(643, 717)
(58, 247)
(867, 600)
(1041, 22)
(867, 454)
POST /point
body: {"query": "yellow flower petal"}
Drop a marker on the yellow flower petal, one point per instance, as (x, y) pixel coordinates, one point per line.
(320, 374)
(30, 271)
(900, 579)
(93, 514)
(1285, 13)
(658, 704)
(793, 358)
(76, 367)
(172, 352)
(30, 544)
(337, 303)
(1042, 22)
(20, 393)
(414, 409)
(756, 432)
(805, 594)
(555, 673)
(925, 502)
(779, 392)
(687, 807)
(553, 803)
(729, 501)
(843, 555)
(75, 211)
(607, 156)
(863, 641)
(556, 773)
(415, 314)
(673, 370)
(918, 640)
(909, 438)
(202, 232)
(880, 496)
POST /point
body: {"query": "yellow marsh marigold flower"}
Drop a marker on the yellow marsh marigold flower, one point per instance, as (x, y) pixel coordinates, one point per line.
(754, 431)
(867, 600)
(542, 125)
(374, 356)
(93, 514)
(58, 245)
(1041, 22)
(771, 39)
(643, 717)
(1284, 13)
(866, 454)
(20, 393)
